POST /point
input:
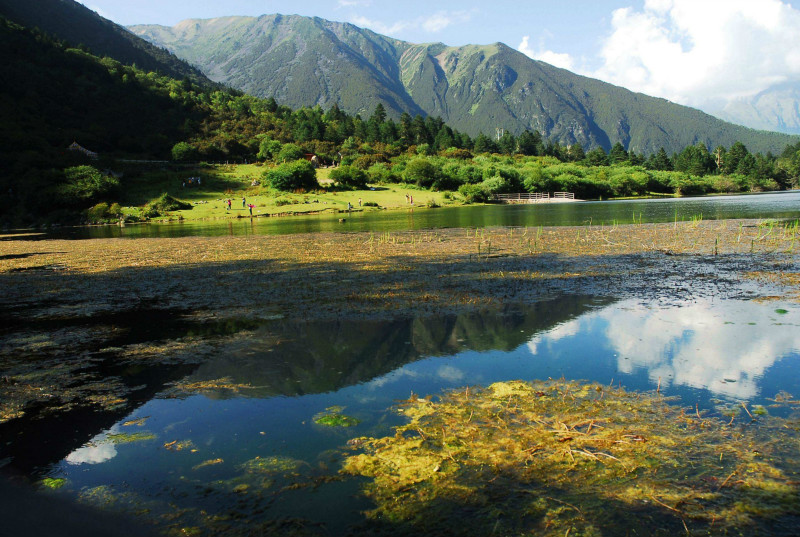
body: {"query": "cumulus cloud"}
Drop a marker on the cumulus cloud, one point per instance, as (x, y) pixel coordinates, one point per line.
(698, 52)
(558, 59)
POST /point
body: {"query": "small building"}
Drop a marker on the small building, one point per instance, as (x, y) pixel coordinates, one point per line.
(75, 146)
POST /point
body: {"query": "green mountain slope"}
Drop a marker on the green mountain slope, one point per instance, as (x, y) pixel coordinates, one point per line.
(299, 61)
(304, 61)
(78, 25)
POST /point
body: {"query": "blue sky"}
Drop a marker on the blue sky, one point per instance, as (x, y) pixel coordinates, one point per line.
(701, 53)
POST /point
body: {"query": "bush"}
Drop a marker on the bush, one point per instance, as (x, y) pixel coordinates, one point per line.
(183, 152)
(85, 184)
(349, 177)
(364, 162)
(473, 193)
(98, 213)
(297, 175)
(162, 205)
(268, 148)
(421, 172)
(371, 204)
(290, 152)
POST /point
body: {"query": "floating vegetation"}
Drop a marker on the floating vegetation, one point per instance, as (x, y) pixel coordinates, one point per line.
(209, 462)
(128, 438)
(333, 417)
(180, 445)
(53, 483)
(566, 458)
(271, 465)
(206, 386)
(139, 422)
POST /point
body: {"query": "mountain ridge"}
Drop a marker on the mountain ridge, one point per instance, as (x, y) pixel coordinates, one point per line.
(309, 61)
(75, 23)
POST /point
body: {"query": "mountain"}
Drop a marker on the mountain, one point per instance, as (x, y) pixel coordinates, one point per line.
(302, 61)
(72, 22)
(776, 108)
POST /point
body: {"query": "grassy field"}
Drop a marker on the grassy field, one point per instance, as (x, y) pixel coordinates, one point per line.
(219, 183)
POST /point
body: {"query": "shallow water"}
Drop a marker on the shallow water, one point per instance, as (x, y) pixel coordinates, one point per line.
(769, 205)
(279, 376)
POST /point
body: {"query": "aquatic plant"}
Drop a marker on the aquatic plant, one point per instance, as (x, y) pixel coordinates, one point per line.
(333, 417)
(53, 483)
(567, 458)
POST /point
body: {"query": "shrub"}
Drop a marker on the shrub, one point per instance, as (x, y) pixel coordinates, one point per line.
(371, 204)
(297, 175)
(364, 162)
(183, 151)
(85, 184)
(349, 177)
(473, 193)
(421, 172)
(163, 204)
(98, 213)
(290, 152)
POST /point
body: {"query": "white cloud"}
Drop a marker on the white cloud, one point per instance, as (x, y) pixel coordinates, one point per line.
(700, 52)
(558, 59)
(378, 26)
(354, 3)
(431, 24)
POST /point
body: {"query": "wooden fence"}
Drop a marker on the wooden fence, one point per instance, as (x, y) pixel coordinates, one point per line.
(534, 197)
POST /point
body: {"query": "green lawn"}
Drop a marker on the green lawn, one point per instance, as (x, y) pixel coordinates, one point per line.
(222, 182)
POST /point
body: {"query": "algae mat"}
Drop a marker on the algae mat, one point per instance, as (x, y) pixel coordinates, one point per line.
(567, 458)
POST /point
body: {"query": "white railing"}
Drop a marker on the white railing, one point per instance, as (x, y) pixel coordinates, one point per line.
(533, 197)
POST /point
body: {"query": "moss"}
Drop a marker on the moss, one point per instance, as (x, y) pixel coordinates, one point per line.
(333, 417)
(270, 465)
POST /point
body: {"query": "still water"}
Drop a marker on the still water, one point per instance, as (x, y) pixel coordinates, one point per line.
(770, 205)
(197, 450)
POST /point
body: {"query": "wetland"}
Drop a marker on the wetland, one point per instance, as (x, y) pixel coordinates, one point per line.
(499, 380)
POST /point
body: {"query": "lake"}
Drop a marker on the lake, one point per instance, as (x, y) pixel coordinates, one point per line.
(767, 205)
(230, 441)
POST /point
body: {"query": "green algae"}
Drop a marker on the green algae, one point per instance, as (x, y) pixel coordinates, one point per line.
(566, 458)
(333, 417)
(129, 438)
(270, 465)
(53, 483)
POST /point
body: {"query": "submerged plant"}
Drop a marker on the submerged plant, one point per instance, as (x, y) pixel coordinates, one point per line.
(565, 458)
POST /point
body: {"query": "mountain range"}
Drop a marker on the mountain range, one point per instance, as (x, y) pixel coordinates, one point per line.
(304, 61)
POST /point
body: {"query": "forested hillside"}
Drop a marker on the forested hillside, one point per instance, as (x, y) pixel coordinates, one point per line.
(302, 61)
(81, 27)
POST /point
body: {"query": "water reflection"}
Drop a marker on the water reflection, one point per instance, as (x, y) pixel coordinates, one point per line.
(724, 347)
(275, 377)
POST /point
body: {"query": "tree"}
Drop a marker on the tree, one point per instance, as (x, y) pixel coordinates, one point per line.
(184, 152)
(597, 157)
(617, 154)
(576, 152)
(85, 184)
(530, 143)
(297, 175)
(349, 177)
(484, 144)
(659, 161)
(290, 152)
(268, 148)
(421, 172)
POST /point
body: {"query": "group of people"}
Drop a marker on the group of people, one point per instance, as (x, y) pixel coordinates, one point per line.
(192, 181)
(229, 202)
